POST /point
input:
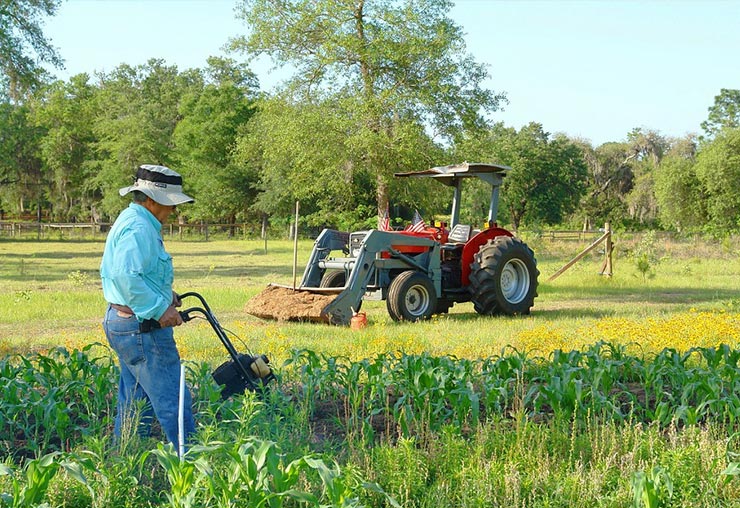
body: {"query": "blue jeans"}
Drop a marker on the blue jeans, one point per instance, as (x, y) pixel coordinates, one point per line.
(150, 372)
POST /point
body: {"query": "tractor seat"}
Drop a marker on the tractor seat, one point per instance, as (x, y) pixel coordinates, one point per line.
(459, 234)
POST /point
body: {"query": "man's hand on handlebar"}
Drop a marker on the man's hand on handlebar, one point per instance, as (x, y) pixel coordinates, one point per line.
(170, 317)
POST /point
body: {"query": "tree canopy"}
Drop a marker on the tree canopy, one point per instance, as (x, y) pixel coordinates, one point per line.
(718, 170)
(23, 46)
(205, 139)
(681, 201)
(387, 68)
(724, 113)
(63, 111)
(378, 86)
(547, 178)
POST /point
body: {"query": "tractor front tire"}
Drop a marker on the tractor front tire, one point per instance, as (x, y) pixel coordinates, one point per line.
(334, 279)
(503, 277)
(411, 297)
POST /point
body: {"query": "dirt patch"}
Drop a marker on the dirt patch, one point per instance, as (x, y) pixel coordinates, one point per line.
(286, 304)
(328, 424)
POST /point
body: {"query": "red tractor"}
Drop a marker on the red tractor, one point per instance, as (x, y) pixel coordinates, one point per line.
(425, 272)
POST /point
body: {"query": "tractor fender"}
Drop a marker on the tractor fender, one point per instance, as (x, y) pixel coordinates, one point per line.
(474, 245)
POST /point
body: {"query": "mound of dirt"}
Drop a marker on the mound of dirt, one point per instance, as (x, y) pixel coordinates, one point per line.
(286, 304)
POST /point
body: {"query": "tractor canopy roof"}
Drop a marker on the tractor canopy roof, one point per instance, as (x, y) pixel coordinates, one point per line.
(449, 175)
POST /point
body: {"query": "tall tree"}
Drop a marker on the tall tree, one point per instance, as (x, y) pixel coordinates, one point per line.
(645, 153)
(718, 169)
(297, 148)
(139, 110)
(620, 179)
(384, 62)
(548, 175)
(610, 178)
(23, 45)
(724, 114)
(66, 112)
(310, 152)
(206, 136)
(20, 163)
(681, 200)
(646, 145)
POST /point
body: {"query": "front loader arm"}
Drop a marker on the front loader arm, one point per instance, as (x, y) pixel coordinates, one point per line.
(368, 259)
(329, 240)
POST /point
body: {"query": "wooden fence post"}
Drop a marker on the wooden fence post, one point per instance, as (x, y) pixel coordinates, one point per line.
(606, 269)
(606, 237)
(295, 243)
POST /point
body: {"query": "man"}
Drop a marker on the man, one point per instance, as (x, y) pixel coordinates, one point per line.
(137, 277)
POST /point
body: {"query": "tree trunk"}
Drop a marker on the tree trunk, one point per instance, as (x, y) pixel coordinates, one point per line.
(516, 219)
(374, 120)
(382, 196)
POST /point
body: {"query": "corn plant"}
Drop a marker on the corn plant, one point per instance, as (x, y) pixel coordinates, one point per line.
(38, 474)
(341, 490)
(262, 475)
(256, 473)
(731, 471)
(52, 399)
(122, 474)
(184, 476)
(561, 386)
(652, 489)
(30, 490)
(499, 378)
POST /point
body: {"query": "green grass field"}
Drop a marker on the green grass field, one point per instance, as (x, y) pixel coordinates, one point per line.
(51, 296)
(615, 392)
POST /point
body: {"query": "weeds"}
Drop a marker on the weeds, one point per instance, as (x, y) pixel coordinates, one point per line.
(78, 278)
(23, 296)
(645, 256)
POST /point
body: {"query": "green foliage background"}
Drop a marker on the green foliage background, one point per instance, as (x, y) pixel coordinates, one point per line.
(376, 88)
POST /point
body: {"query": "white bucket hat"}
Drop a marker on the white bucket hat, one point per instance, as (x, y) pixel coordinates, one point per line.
(159, 183)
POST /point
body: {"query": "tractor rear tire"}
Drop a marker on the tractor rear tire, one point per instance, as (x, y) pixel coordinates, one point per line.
(503, 277)
(411, 297)
(334, 279)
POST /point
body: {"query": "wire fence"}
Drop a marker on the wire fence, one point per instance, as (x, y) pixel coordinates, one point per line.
(91, 231)
(204, 231)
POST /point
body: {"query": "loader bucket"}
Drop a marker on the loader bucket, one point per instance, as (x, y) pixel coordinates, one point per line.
(282, 303)
(314, 301)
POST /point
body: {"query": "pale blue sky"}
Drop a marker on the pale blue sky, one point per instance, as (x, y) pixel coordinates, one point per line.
(594, 69)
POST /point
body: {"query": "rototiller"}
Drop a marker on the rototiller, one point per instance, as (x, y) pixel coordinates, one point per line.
(243, 371)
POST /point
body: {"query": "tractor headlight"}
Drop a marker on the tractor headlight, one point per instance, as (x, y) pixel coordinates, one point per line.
(355, 242)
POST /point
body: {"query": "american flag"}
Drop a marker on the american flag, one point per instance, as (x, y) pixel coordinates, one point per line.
(385, 221)
(417, 223)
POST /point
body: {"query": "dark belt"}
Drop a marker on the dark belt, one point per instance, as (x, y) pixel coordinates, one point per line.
(145, 326)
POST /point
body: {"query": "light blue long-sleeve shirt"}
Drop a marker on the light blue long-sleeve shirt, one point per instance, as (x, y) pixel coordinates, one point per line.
(136, 270)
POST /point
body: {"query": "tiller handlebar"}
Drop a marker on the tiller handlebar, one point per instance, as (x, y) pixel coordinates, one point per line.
(243, 371)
